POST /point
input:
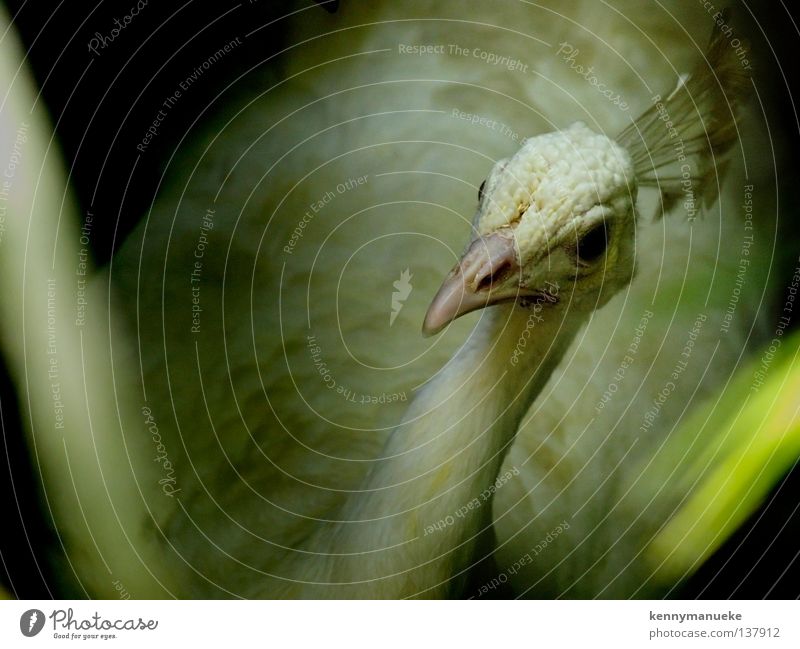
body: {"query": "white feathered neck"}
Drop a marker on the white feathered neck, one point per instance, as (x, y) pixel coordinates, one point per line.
(406, 532)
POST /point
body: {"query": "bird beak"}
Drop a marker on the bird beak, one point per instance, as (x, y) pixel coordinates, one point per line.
(473, 282)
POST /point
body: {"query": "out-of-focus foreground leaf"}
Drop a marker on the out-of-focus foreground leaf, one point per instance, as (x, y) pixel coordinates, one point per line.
(726, 457)
(94, 473)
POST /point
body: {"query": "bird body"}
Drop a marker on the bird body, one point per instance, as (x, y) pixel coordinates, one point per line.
(321, 447)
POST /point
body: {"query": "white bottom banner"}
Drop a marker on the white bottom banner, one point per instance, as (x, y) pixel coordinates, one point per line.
(400, 624)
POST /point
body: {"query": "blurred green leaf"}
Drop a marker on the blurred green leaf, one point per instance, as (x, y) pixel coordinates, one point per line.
(728, 456)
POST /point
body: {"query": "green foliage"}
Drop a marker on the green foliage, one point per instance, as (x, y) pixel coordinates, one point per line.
(727, 457)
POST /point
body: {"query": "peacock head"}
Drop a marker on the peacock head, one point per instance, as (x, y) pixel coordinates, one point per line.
(556, 222)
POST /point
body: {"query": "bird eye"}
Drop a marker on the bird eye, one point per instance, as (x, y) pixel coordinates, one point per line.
(592, 245)
(480, 191)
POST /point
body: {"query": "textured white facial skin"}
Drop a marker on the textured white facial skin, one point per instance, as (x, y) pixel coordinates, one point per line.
(551, 179)
(551, 192)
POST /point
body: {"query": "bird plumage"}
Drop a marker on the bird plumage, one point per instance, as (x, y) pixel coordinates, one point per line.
(275, 396)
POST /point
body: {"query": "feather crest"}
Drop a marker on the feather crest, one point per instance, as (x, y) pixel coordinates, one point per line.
(680, 144)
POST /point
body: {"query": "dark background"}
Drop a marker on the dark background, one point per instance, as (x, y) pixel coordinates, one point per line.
(101, 105)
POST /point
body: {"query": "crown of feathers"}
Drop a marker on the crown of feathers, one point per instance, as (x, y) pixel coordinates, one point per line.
(681, 144)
